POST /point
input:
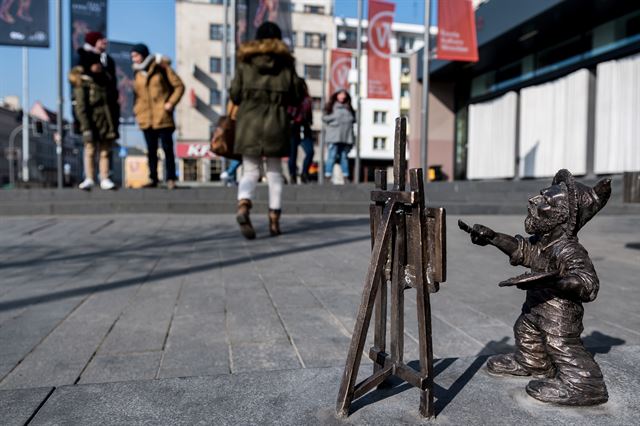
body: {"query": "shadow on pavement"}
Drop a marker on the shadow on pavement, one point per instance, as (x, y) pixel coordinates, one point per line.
(635, 246)
(598, 343)
(13, 304)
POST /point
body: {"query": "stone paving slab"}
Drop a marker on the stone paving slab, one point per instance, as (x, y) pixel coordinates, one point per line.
(465, 394)
(18, 406)
(93, 299)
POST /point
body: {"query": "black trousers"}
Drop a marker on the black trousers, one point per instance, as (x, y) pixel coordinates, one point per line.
(151, 136)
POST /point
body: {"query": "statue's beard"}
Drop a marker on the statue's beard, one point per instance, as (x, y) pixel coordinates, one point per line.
(535, 224)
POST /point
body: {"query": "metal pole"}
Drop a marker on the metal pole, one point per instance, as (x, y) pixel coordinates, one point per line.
(322, 103)
(12, 154)
(356, 172)
(233, 38)
(25, 114)
(424, 139)
(225, 40)
(60, 126)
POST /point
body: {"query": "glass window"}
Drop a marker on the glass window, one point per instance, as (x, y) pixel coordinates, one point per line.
(215, 97)
(215, 65)
(379, 143)
(312, 72)
(348, 38)
(319, 10)
(317, 102)
(215, 32)
(404, 91)
(405, 43)
(379, 117)
(313, 40)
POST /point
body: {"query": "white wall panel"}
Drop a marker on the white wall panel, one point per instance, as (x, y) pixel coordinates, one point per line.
(492, 138)
(553, 126)
(617, 140)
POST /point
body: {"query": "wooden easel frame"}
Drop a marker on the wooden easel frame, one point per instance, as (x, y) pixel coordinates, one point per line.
(409, 250)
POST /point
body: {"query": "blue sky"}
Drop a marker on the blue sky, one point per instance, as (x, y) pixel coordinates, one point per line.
(150, 21)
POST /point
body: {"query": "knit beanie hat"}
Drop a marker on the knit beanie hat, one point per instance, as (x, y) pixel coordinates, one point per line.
(93, 37)
(268, 30)
(141, 48)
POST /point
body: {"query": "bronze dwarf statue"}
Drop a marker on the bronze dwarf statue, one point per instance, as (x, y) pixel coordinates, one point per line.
(562, 278)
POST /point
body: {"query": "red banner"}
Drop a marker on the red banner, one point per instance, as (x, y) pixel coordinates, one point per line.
(379, 49)
(340, 67)
(456, 31)
(193, 150)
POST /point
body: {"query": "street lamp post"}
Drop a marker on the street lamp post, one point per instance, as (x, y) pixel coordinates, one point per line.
(322, 103)
(60, 138)
(356, 172)
(424, 140)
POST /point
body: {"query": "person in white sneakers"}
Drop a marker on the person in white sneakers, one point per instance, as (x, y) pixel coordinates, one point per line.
(96, 107)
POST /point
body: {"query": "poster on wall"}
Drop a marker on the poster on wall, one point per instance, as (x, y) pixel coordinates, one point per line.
(250, 14)
(339, 71)
(24, 23)
(86, 16)
(121, 54)
(379, 49)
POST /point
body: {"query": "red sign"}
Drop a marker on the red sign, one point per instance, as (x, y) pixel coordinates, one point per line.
(340, 67)
(193, 150)
(456, 31)
(379, 49)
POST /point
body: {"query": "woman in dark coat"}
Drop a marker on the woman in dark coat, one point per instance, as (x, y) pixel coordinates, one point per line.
(265, 85)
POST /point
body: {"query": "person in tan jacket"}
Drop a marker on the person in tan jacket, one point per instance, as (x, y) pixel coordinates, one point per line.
(158, 90)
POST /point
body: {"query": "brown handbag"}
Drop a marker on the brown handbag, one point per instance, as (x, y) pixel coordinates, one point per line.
(224, 134)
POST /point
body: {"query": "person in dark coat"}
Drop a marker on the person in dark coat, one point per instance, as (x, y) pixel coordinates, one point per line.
(95, 100)
(264, 86)
(302, 120)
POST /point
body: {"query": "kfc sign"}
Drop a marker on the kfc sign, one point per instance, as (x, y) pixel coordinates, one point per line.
(193, 150)
(340, 66)
(379, 49)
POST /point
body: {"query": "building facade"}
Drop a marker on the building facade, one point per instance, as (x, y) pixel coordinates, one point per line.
(199, 53)
(378, 115)
(557, 85)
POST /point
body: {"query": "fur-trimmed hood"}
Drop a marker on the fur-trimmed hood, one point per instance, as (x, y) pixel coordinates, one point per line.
(157, 58)
(77, 76)
(265, 53)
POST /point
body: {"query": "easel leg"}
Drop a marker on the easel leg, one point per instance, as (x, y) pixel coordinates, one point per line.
(380, 311)
(376, 267)
(397, 292)
(426, 351)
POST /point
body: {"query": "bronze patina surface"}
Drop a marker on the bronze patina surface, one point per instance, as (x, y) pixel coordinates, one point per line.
(562, 278)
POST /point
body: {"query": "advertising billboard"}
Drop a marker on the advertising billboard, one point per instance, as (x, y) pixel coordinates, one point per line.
(24, 23)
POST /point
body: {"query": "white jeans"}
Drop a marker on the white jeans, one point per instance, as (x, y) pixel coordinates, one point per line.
(251, 174)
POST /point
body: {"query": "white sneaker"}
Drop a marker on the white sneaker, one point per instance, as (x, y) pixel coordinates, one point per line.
(86, 184)
(107, 184)
(224, 176)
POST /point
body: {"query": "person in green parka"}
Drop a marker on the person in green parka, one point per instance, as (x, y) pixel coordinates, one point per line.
(265, 85)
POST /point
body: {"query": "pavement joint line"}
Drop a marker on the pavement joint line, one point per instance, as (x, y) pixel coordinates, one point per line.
(110, 329)
(45, 225)
(39, 407)
(620, 326)
(227, 334)
(166, 336)
(275, 307)
(101, 227)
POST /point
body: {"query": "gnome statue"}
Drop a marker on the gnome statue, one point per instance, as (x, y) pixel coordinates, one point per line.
(562, 278)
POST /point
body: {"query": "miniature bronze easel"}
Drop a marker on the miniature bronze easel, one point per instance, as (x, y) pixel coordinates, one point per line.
(408, 250)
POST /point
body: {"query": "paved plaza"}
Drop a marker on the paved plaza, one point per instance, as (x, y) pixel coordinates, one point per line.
(195, 322)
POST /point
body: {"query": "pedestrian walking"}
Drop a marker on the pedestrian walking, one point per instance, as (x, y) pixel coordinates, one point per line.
(158, 90)
(229, 175)
(339, 118)
(302, 120)
(95, 103)
(264, 86)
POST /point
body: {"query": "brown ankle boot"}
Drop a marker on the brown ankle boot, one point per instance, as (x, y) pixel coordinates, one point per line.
(274, 222)
(243, 219)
